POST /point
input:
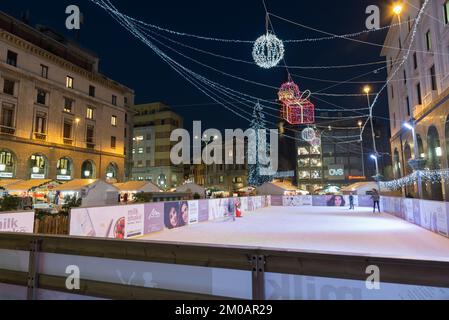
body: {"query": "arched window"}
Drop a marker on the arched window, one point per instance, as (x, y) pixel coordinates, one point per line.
(396, 164)
(111, 171)
(88, 170)
(38, 166)
(7, 164)
(407, 157)
(162, 181)
(64, 169)
(435, 154)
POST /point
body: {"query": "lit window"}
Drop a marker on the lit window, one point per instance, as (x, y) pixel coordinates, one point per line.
(114, 121)
(44, 71)
(139, 138)
(90, 113)
(140, 150)
(428, 41)
(68, 105)
(303, 151)
(134, 151)
(69, 82)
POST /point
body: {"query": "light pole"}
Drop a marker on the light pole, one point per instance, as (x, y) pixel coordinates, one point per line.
(367, 90)
(77, 122)
(360, 123)
(376, 161)
(417, 163)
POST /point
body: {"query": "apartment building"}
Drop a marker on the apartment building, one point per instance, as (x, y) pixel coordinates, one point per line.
(59, 117)
(153, 125)
(419, 92)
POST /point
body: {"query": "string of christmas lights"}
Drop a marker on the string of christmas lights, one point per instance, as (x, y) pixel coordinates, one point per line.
(429, 176)
(252, 62)
(210, 38)
(399, 66)
(354, 40)
(178, 67)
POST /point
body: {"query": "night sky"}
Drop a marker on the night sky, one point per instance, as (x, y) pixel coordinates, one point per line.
(127, 60)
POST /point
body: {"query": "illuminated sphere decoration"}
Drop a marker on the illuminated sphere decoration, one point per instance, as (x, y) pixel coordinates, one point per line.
(308, 134)
(268, 51)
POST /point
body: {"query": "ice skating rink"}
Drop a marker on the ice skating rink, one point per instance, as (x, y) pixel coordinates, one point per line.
(317, 229)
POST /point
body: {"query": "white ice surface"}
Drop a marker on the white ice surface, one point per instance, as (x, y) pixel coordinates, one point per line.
(318, 229)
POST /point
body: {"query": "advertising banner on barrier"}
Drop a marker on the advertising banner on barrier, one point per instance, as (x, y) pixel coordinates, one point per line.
(364, 201)
(154, 218)
(434, 217)
(330, 201)
(22, 222)
(431, 215)
(276, 201)
(119, 222)
(193, 212)
(203, 210)
(176, 214)
(257, 203)
(296, 201)
(244, 204)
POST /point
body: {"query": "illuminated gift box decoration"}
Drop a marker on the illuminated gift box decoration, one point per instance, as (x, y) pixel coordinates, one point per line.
(296, 107)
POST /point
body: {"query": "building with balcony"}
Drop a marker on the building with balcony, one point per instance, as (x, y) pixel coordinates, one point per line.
(59, 117)
(153, 125)
(419, 92)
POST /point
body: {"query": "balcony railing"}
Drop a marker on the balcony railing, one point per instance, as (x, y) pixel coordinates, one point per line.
(7, 130)
(40, 136)
(90, 144)
(68, 142)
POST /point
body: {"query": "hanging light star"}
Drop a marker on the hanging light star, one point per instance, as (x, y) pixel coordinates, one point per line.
(268, 51)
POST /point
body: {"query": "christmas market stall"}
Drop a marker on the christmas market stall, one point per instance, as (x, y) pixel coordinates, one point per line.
(129, 189)
(34, 192)
(91, 192)
(193, 189)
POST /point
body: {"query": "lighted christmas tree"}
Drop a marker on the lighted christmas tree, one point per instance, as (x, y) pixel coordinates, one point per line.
(255, 178)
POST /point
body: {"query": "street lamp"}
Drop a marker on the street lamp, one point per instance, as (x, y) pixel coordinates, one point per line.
(417, 159)
(397, 9)
(360, 123)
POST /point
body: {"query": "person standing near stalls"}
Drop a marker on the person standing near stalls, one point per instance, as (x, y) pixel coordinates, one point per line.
(376, 200)
(351, 201)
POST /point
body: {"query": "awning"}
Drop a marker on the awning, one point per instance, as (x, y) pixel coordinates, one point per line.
(131, 186)
(7, 182)
(27, 185)
(75, 185)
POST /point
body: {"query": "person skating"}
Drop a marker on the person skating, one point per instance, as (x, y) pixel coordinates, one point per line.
(376, 200)
(351, 201)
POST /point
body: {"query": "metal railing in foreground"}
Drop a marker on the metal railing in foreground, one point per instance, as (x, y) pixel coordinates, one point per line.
(43, 252)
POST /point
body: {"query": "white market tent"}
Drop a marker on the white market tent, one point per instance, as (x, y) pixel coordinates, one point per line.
(22, 187)
(192, 188)
(6, 182)
(277, 188)
(137, 186)
(360, 188)
(92, 192)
